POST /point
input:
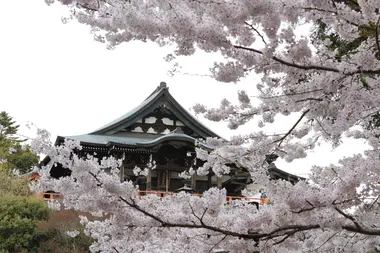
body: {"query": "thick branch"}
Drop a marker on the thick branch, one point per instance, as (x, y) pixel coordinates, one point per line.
(347, 216)
(290, 64)
(310, 67)
(361, 230)
(202, 226)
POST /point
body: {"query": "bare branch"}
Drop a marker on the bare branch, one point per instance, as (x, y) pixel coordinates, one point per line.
(377, 34)
(328, 239)
(288, 234)
(88, 7)
(377, 198)
(309, 99)
(324, 130)
(96, 178)
(286, 230)
(361, 230)
(291, 129)
(257, 32)
(302, 210)
(319, 9)
(347, 216)
(213, 247)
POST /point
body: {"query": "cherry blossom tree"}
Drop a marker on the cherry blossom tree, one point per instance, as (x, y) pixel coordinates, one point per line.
(333, 92)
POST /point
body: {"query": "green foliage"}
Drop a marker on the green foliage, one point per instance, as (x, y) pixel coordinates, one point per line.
(11, 185)
(23, 159)
(8, 127)
(26, 224)
(374, 121)
(19, 217)
(58, 241)
(17, 156)
(22, 219)
(343, 48)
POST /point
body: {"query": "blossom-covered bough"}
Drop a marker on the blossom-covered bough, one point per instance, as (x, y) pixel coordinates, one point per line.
(330, 80)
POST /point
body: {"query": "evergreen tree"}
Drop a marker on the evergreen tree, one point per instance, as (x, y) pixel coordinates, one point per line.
(7, 126)
(14, 154)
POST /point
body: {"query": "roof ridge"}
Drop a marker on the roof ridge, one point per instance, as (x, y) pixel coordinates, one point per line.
(158, 89)
(160, 94)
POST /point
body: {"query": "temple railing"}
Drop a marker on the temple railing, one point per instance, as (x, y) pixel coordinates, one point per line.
(49, 196)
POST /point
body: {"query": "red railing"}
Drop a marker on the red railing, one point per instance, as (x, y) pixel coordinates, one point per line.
(50, 196)
(161, 194)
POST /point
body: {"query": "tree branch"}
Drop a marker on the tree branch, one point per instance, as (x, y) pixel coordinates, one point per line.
(328, 239)
(290, 64)
(291, 94)
(257, 32)
(286, 231)
(310, 67)
(361, 230)
(213, 247)
(347, 216)
(324, 130)
(288, 234)
(377, 34)
(377, 198)
(194, 226)
(291, 129)
(309, 99)
(330, 11)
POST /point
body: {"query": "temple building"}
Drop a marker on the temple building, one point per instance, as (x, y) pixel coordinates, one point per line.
(162, 132)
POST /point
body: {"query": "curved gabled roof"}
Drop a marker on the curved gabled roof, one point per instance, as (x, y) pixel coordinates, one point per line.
(159, 97)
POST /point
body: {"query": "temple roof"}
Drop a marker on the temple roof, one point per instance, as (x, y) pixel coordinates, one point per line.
(276, 173)
(158, 118)
(131, 141)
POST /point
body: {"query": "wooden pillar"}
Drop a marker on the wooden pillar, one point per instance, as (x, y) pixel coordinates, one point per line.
(194, 181)
(122, 172)
(149, 180)
(219, 182)
(208, 180)
(167, 180)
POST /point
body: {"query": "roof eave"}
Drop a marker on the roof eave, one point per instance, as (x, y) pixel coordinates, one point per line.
(133, 117)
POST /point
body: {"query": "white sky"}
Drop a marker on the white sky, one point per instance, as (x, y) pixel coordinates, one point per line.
(59, 78)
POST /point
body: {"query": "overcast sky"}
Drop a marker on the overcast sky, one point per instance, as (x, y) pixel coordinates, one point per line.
(56, 76)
